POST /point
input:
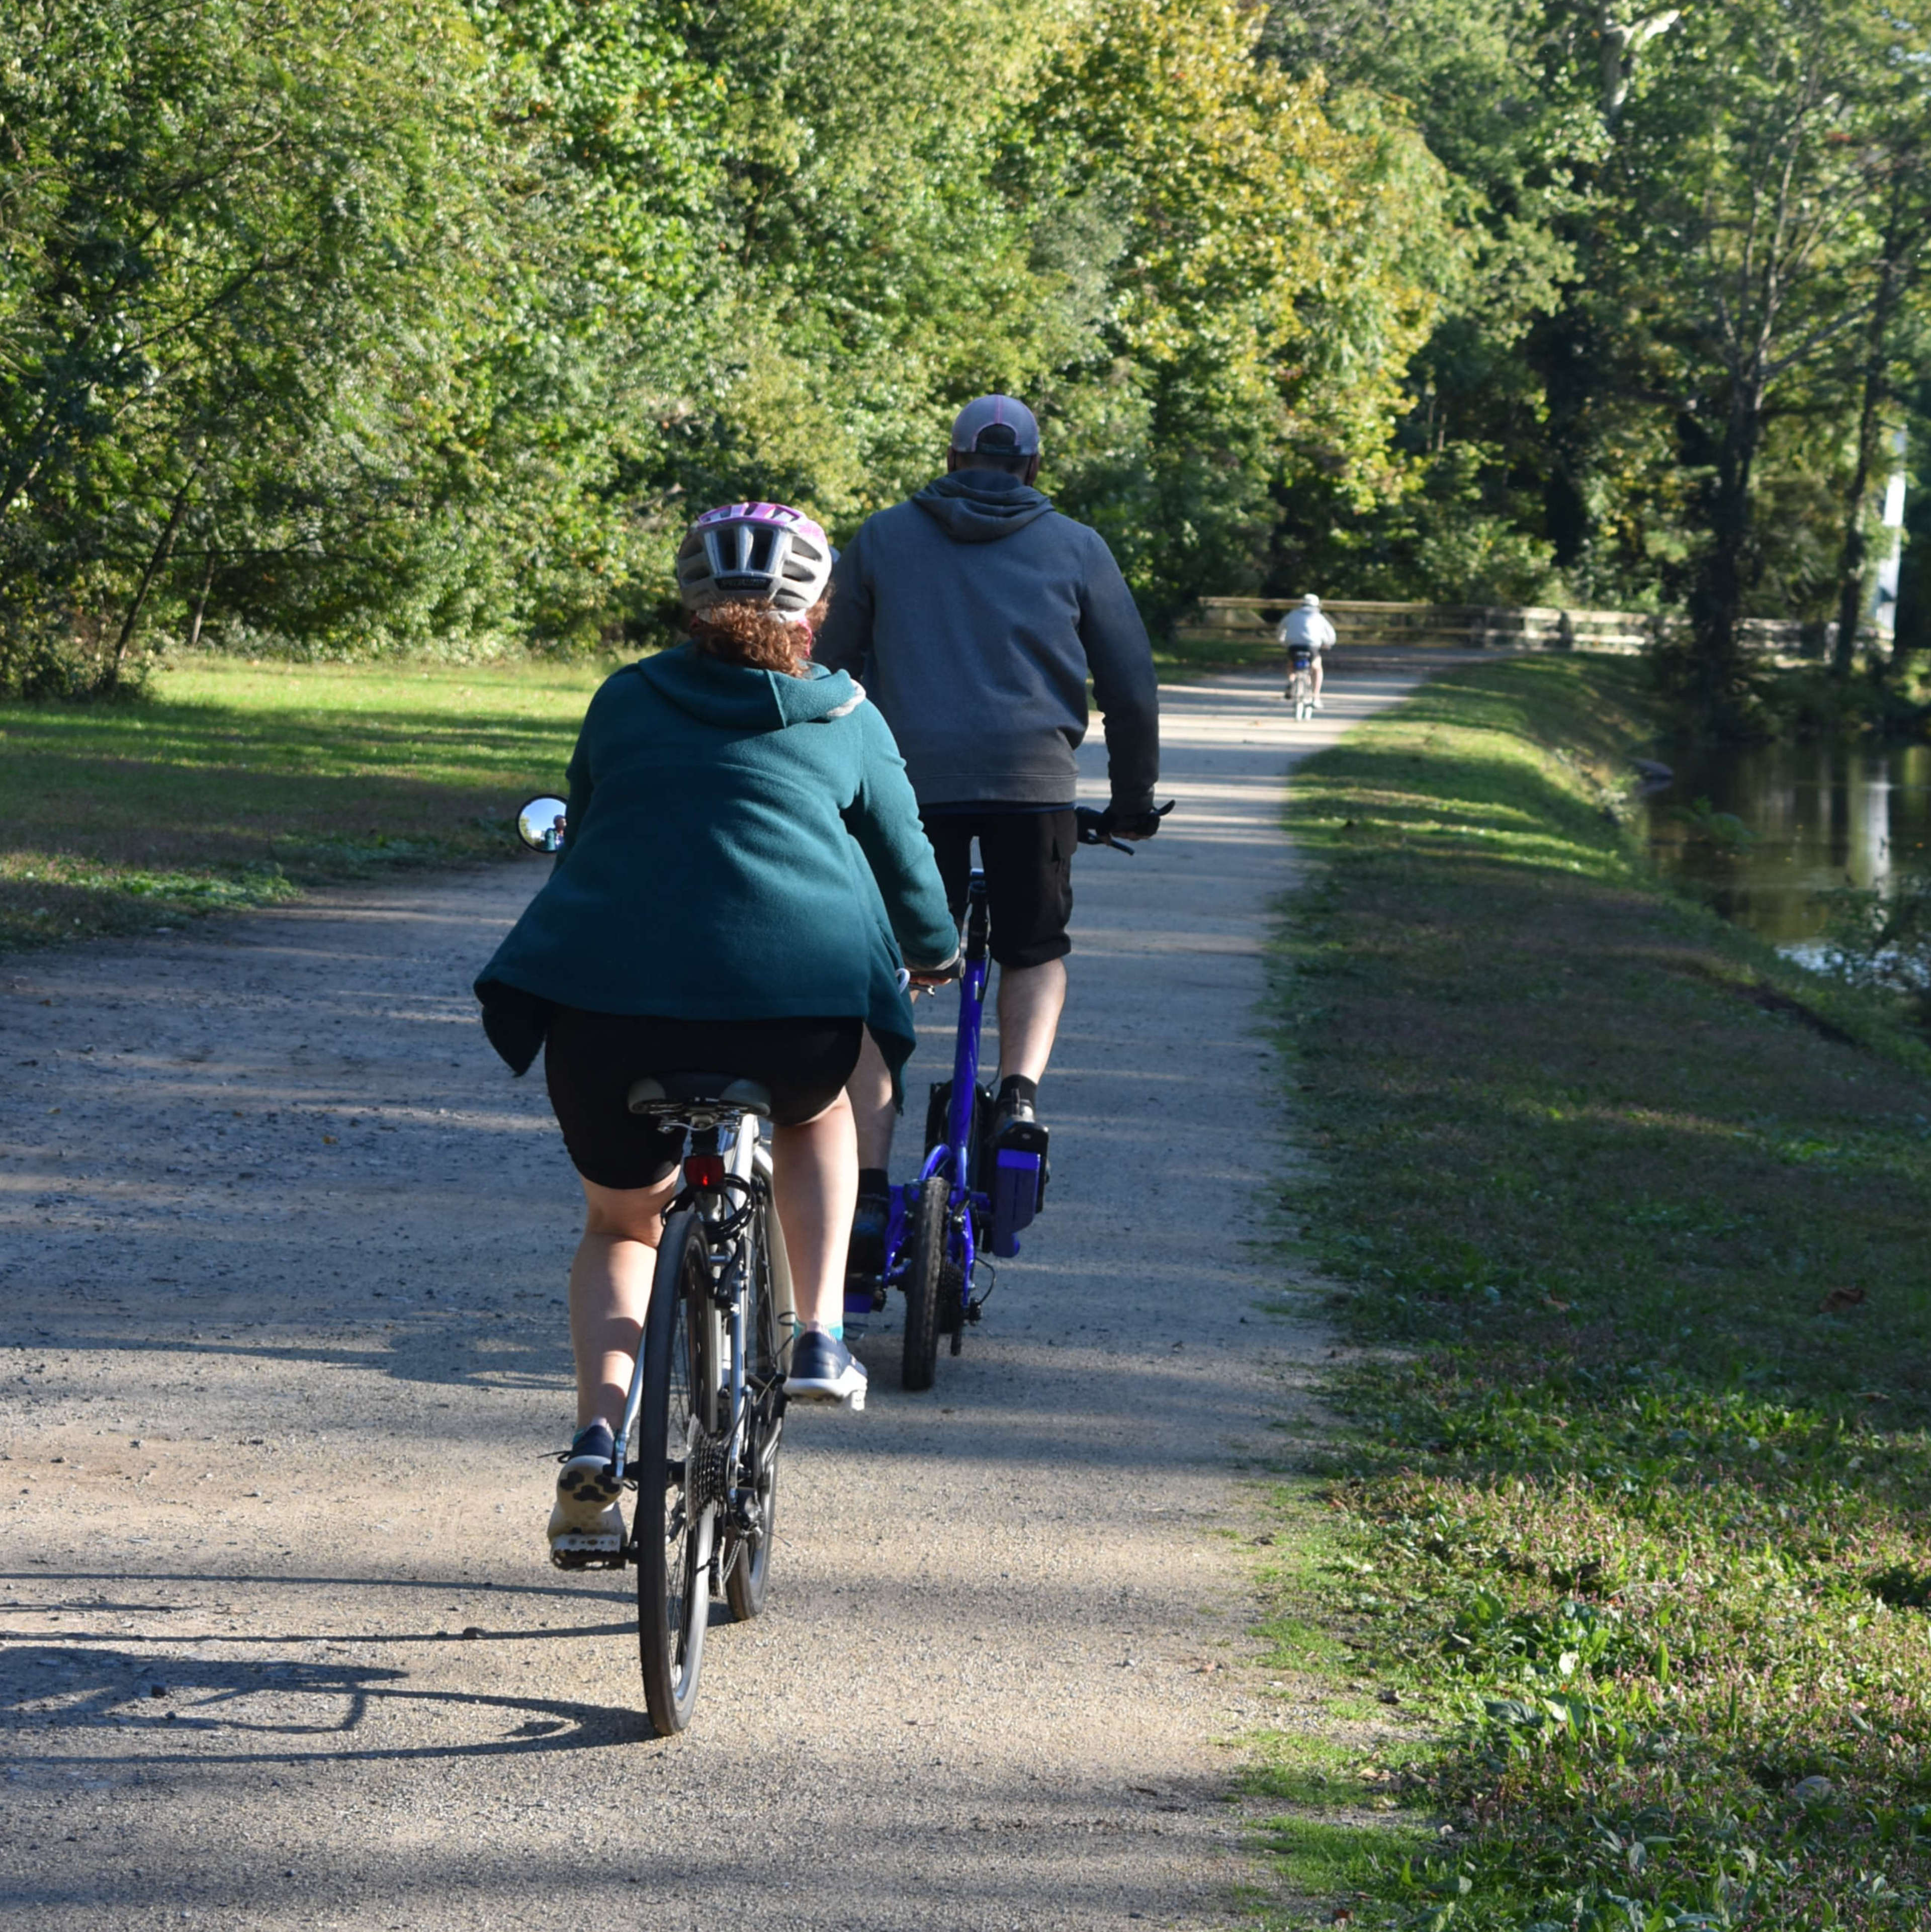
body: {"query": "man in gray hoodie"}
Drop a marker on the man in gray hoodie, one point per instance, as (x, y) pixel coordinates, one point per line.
(974, 614)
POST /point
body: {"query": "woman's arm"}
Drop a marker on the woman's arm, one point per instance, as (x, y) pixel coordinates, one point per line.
(884, 820)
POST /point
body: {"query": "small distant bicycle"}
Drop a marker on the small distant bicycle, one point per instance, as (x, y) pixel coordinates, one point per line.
(971, 1201)
(1300, 679)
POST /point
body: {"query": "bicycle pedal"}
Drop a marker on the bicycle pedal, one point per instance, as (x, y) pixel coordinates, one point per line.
(587, 1553)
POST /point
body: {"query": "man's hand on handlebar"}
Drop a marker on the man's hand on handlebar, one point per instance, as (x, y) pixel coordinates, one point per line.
(1116, 828)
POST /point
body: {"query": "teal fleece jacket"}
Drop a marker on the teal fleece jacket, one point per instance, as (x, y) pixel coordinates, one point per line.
(742, 845)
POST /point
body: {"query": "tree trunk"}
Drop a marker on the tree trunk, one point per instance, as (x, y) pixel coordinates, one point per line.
(1716, 605)
(1852, 582)
(157, 562)
(1618, 43)
(201, 601)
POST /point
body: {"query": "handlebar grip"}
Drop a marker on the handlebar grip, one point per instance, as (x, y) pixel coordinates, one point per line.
(1094, 831)
(1095, 828)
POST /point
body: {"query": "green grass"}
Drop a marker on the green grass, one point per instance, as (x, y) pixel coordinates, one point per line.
(1179, 660)
(238, 784)
(1634, 1486)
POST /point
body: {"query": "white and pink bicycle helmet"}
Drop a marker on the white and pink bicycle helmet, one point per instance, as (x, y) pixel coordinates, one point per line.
(754, 553)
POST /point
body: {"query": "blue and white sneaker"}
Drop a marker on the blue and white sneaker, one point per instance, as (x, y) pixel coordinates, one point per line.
(823, 1369)
(586, 1527)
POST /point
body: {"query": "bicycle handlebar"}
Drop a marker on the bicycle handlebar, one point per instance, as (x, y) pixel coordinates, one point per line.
(939, 975)
(1095, 828)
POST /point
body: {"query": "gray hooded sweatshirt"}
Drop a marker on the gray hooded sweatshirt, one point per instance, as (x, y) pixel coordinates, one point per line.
(974, 614)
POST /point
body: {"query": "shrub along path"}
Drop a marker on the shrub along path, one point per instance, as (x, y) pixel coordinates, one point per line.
(1635, 1509)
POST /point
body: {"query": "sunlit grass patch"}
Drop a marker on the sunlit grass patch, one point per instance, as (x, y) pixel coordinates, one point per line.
(238, 784)
(1321, 1858)
(1643, 1492)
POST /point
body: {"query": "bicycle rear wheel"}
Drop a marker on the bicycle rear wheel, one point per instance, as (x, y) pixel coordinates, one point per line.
(677, 1487)
(748, 1553)
(925, 1284)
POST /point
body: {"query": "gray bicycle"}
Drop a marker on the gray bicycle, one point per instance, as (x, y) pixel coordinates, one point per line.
(705, 1417)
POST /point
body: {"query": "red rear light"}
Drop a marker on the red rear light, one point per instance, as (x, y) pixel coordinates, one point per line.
(704, 1172)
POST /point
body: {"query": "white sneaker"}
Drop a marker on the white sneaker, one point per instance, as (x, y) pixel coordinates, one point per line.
(586, 1526)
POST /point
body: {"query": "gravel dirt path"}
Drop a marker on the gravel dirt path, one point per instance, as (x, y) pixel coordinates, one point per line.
(281, 1345)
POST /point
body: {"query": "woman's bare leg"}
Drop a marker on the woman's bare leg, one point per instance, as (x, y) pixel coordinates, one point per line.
(610, 1291)
(870, 1091)
(814, 1185)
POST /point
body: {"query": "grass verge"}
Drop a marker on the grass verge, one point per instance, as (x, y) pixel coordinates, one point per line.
(1630, 1216)
(238, 784)
(1180, 660)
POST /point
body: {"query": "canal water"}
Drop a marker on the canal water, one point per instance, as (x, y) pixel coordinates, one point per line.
(1818, 817)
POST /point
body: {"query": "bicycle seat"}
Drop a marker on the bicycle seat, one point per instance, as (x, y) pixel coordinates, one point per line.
(712, 1092)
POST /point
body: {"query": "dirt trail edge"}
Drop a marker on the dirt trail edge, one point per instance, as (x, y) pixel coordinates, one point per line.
(281, 1343)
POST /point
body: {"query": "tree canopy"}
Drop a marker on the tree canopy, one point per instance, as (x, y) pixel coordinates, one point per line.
(1696, 299)
(350, 326)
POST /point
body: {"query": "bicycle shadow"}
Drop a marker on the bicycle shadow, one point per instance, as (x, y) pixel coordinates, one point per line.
(164, 1708)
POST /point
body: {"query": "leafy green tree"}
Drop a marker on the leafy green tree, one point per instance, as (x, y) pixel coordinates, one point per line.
(1754, 216)
(338, 323)
(211, 218)
(1896, 338)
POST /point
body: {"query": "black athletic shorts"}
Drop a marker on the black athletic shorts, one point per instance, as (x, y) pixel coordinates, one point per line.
(591, 1060)
(1028, 858)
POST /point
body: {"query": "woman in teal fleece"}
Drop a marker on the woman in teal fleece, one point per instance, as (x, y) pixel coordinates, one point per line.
(743, 876)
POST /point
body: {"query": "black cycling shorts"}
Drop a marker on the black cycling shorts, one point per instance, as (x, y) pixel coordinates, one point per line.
(591, 1060)
(1028, 858)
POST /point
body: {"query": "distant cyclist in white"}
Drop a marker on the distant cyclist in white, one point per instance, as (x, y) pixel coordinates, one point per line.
(1309, 627)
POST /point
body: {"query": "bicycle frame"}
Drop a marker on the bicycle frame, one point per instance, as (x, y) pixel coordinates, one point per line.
(972, 1212)
(748, 1179)
(953, 1156)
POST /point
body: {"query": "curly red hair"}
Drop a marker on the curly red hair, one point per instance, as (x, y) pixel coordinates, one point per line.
(756, 636)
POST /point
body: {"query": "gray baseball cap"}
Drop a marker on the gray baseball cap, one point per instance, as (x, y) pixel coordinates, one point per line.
(996, 424)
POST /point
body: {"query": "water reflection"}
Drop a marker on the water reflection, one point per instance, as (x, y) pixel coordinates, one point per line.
(1822, 815)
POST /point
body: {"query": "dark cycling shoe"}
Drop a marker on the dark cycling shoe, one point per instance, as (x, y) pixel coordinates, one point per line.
(1016, 1126)
(823, 1369)
(865, 1257)
(586, 1527)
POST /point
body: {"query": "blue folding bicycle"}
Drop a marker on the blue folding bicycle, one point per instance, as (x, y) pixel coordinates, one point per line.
(971, 1200)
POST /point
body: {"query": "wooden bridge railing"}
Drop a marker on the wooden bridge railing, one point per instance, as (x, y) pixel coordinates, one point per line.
(1360, 624)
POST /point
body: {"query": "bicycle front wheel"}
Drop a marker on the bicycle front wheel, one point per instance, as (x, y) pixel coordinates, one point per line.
(677, 1488)
(925, 1283)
